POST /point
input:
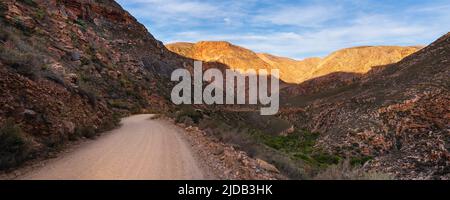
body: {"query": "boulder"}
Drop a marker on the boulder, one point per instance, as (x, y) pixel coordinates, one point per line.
(69, 127)
(218, 150)
(29, 113)
(75, 56)
(266, 166)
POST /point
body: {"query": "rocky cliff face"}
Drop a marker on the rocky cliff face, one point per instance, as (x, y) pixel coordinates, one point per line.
(397, 114)
(71, 68)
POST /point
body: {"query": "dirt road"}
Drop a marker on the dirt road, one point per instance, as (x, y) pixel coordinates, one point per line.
(140, 149)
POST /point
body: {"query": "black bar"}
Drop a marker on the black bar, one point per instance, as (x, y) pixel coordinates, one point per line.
(278, 189)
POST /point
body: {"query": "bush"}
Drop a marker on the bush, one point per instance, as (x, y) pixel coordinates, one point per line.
(55, 141)
(91, 96)
(120, 104)
(189, 112)
(29, 2)
(49, 75)
(4, 34)
(20, 25)
(14, 148)
(86, 131)
(28, 67)
(359, 161)
(2, 10)
(248, 140)
(345, 171)
(40, 14)
(290, 168)
(112, 123)
(326, 159)
(271, 125)
(26, 64)
(82, 23)
(156, 116)
(90, 132)
(86, 91)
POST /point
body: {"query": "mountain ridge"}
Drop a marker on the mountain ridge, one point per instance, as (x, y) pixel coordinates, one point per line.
(396, 114)
(354, 59)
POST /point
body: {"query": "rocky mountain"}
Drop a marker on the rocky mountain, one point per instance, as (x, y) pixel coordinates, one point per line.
(385, 105)
(352, 60)
(397, 114)
(233, 56)
(361, 59)
(292, 71)
(70, 69)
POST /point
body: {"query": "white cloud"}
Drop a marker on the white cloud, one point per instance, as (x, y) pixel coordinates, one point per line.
(296, 31)
(366, 30)
(303, 16)
(166, 11)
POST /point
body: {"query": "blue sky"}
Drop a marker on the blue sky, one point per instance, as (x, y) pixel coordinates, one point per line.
(295, 28)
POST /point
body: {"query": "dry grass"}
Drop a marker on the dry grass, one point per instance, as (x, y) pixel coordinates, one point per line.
(345, 171)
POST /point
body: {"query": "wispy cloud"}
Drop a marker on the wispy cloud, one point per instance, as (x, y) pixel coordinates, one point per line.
(171, 11)
(296, 29)
(302, 16)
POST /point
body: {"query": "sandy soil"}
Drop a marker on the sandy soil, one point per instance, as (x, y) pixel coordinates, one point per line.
(140, 149)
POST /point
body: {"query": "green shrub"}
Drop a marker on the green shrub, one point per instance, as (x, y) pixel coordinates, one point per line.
(156, 116)
(90, 132)
(301, 141)
(19, 24)
(299, 146)
(271, 125)
(207, 124)
(55, 141)
(82, 23)
(120, 104)
(2, 10)
(326, 159)
(253, 142)
(14, 148)
(29, 2)
(112, 123)
(358, 161)
(88, 92)
(189, 112)
(40, 14)
(91, 96)
(86, 131)
(49, 75)
(85, 61)
(287, 166)
(26, 64)
(4, 34)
